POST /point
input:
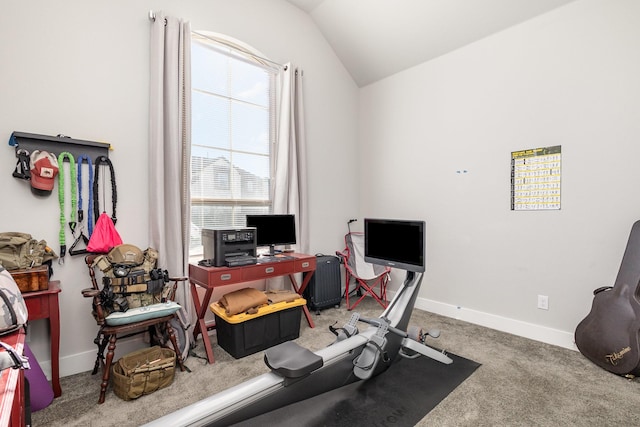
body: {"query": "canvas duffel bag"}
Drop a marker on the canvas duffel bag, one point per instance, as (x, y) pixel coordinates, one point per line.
(143, 372)
(21, 250)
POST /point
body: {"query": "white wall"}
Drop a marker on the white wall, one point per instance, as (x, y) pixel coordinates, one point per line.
(81, 69)
(567, 78)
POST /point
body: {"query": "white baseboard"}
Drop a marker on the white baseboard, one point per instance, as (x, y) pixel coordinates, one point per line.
(512, 326)
(83, 362)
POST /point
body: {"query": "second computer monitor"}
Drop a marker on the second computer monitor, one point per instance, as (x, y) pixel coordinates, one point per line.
(273, 230)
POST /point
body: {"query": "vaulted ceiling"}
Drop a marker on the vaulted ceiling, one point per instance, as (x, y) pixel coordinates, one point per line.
(378, 38)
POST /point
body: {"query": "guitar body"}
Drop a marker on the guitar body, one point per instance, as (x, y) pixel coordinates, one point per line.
(609, 335)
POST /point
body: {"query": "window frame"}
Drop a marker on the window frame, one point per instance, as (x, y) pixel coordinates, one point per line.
(235, 50)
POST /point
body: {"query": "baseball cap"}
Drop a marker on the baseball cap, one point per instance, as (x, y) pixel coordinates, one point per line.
(44, 168)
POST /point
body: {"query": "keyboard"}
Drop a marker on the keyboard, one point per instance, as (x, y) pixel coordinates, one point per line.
(275, 258)
(237, 261)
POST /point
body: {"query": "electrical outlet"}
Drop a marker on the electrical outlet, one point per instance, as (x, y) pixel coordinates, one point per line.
(543, 302)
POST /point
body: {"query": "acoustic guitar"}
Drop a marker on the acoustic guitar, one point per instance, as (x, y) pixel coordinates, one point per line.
(609, 335)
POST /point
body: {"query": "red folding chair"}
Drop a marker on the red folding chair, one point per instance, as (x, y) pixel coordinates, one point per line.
(369, 279)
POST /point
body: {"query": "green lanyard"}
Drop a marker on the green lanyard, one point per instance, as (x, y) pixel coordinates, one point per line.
(74, 207)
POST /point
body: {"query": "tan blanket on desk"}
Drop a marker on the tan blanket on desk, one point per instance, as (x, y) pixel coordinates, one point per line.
(242, 300)
(275, 296)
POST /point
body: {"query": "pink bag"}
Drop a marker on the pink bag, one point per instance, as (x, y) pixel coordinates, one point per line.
(104, 236)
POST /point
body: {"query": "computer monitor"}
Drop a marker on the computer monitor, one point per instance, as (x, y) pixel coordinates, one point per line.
(273, 230)
(395, 243)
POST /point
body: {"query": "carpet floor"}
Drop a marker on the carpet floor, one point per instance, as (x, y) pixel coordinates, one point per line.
(520, 382)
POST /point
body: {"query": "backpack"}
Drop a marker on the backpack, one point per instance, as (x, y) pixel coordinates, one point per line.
(21, 250)
(13, 309)
(180, 326)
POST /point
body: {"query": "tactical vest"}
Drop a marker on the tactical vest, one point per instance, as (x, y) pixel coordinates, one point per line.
(131, 279)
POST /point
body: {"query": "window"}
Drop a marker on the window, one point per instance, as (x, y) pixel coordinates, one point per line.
(233, 135)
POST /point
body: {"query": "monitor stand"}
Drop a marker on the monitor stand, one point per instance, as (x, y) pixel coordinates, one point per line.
(273, 251)
(270, 252)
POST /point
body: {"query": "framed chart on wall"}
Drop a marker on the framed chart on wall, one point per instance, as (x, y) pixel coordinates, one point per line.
(535, 179)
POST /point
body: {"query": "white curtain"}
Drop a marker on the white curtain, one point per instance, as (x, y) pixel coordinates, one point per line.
(290, 182)
(170, 149)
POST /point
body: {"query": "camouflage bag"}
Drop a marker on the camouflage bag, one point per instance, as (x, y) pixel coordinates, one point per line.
(143, 372)
(21, 250)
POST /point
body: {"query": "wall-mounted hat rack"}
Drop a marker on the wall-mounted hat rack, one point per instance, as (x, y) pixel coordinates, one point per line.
(58, 144)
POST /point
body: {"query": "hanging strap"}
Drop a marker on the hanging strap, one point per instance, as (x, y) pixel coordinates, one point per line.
(23, 168)
(79, 161)
(96, 203)
(61, 188)
(75, 249)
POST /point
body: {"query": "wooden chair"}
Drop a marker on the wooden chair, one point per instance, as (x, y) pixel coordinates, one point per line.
(110, 330)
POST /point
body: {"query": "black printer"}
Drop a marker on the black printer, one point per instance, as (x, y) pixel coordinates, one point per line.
(227, 247)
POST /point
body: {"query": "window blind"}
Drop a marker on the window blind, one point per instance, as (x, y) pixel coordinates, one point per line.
(233, 135)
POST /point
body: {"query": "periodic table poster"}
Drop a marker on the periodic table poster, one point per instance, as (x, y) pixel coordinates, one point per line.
(535, 179)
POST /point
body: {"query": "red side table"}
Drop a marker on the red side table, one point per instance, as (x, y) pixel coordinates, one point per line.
(44, 305)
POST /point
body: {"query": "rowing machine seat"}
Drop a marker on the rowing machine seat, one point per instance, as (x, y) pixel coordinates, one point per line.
(291, 360)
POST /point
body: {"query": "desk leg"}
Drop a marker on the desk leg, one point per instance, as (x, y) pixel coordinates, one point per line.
(197, 305)
(201, 326)
(54, 326)
(300, 290)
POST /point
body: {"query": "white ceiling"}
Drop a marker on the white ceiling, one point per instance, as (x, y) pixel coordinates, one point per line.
(377, 38)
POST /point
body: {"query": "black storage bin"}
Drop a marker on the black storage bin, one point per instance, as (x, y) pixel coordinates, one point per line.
(244, 334)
